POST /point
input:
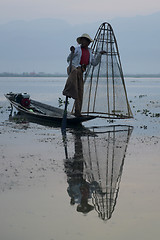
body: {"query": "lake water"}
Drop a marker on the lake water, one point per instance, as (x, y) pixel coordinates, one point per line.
(103, 184)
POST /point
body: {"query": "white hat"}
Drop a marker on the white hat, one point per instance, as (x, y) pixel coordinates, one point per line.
(85, 35)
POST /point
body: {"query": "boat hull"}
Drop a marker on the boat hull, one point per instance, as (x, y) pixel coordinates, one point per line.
(45, 113)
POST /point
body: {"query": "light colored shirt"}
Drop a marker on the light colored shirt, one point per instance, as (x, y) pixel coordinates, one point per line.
(77, 57)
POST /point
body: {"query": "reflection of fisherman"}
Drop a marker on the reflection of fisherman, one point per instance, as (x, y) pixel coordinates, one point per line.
(85, 192)
(79, 190)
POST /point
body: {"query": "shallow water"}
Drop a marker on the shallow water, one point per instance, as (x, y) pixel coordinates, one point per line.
(103, 184)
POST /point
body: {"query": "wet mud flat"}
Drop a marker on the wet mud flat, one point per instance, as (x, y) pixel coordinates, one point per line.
(103, 184)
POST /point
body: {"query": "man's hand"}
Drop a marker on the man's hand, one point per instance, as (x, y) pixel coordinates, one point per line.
(83, 67)
(72, 49)
(103, 52)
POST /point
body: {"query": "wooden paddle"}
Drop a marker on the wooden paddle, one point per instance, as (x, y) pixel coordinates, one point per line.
(64, 120)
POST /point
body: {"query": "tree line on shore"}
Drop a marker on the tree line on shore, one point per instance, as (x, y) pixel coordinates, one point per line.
(42, 74)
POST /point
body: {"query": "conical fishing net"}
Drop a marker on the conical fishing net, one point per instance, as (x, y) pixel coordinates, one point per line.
(104, 89)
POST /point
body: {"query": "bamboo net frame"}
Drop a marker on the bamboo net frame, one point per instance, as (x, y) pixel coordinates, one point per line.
(105, 92)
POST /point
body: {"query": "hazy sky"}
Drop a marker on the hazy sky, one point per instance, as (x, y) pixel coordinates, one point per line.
(16, 54)
(75, 11)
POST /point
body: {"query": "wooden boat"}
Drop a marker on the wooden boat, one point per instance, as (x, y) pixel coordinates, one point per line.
(44, 112)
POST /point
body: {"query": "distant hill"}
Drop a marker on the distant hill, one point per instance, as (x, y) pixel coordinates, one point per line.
(42, 45)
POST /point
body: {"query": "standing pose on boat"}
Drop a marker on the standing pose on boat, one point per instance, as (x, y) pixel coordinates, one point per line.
(81, 57)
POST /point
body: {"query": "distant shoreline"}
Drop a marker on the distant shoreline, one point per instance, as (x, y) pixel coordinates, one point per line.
(32, 75)
(65, 75)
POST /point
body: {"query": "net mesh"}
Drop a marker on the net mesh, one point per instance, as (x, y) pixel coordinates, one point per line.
(104, 156)
(104, 88)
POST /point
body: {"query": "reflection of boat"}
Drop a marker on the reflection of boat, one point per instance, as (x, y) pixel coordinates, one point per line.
(35, 110)
(98, 163)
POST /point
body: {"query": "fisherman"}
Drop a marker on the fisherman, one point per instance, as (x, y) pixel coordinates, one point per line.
(80, 57)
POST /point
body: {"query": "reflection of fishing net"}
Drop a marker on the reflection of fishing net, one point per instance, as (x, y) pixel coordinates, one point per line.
(97, 161)
(104, 158)
(104, 88)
